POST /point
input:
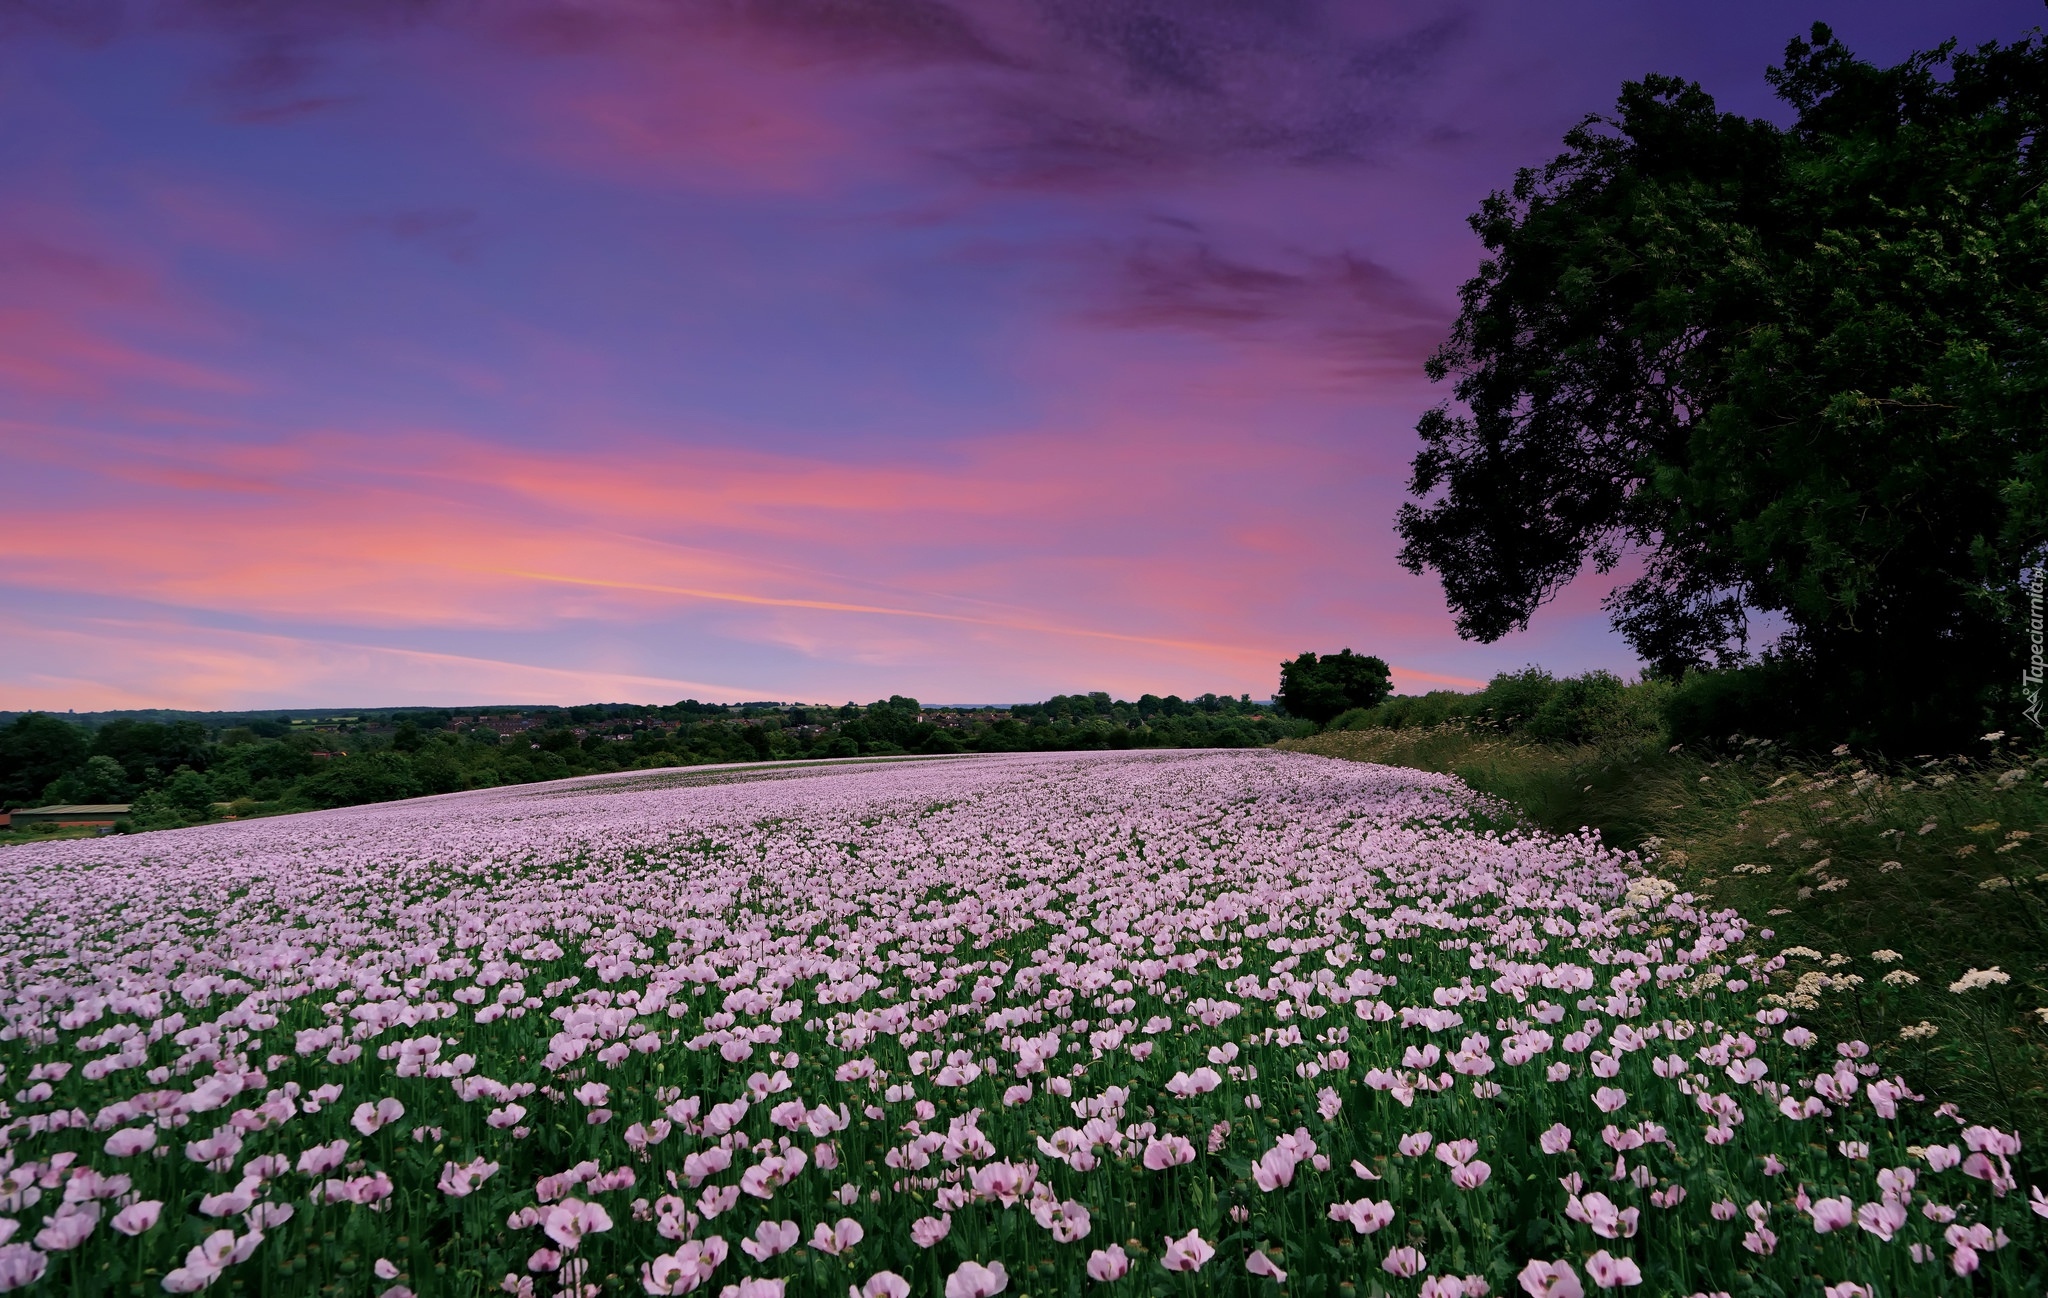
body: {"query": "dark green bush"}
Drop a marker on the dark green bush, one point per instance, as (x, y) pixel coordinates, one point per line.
(1512, 699)
(1599, 708)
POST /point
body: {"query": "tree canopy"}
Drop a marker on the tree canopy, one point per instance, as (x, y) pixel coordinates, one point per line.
(1322, 689)
(1796, 377)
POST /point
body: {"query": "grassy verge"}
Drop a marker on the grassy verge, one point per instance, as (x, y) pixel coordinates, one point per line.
(8, 836)
(1887, 886)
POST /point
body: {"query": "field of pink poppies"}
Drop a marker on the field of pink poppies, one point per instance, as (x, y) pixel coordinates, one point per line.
(1123, 1023)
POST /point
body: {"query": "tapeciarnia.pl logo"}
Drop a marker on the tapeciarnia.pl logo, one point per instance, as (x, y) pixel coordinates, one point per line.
(2031, 678)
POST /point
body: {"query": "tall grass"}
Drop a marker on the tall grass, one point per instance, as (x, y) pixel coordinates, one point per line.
(1899, 879)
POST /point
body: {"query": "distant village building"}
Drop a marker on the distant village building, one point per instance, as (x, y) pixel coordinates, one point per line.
(101, 815)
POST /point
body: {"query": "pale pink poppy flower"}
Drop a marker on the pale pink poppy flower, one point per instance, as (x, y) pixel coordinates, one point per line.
(1832, 1214)
(1106, 1264)
(68, 1227)
(230, 1203)
(1007, 1182)
(1189, 1253)
(1404, 1261)
(1364, 1215)
(138, 1217)
(1261, 1263)
(1453, 1152)
(685, 1269)
(213, 1255)
(370, 1118)
(1275, 1169)
(1550, 1280)
(973, 1280)
(1556, 1139)
(130, 1141)
(1068, 1221)
(569, 1221)
(21, 1266)
(882, 1284)
(1609, 1098)
(927, 1231)
(1608, 1220)
(1171, 1151)
(837, 1239)
(459, 1180)
(384, 1269)
(771, 1238)
(1609, 1272)
(217, 1151)
(1415, 1144)
(1470, 1176)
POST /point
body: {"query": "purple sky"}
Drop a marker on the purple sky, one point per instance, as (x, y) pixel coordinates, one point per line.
(391, 351)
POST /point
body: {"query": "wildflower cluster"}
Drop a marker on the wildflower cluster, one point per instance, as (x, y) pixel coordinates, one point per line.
(1035, 1024)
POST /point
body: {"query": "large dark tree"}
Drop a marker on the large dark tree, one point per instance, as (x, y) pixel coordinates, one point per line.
(1322, 689)
(1800, 374)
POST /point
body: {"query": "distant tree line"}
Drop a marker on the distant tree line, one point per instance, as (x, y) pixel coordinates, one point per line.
(1596, 709)
(184, 771)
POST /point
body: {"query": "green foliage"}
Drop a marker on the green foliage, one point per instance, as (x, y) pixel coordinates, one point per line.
(149, 751)
(1599, 708)
(1596, 708)
(1404, 711)
(1511, 700)
(1322, 689)
(35, 750)
(372, 777)
(1802, 371)
(99, 779)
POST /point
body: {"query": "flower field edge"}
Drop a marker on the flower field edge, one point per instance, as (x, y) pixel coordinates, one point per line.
(1046, 1024)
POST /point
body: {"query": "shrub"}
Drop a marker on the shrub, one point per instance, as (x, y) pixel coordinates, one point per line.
(1599, 708)
(1511, 699)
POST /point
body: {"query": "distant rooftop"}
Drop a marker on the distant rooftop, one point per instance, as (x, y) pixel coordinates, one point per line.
(78, 809)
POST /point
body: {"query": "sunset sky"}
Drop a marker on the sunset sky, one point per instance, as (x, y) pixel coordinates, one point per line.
(376, 352)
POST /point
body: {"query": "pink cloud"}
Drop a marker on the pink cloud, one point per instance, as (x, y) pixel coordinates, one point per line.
(435, 531)
(85, 312)
(98, 663)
